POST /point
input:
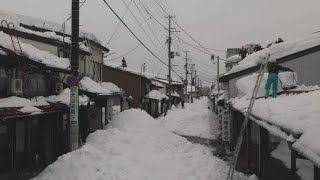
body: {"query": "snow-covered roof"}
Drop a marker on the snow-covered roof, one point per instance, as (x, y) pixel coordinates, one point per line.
(154, 94)
(64, 98)
(16, 19)
(90, 85)
(30, 109)
(233, 59)
(35, 54)
(14, 101)
(110, 87)
(2, 52)
(174, 82)
(246, 84)
(277, 51)
(175, 94)
(297, 114)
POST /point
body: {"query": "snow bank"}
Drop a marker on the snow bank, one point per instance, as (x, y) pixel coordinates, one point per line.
(14, 101)
(277, 51)
(305, 167)
(195, 120)
(35, 54)
(64, 98)
(154, 94)
(29, 109)
(135, 146)
(297, 114)
(175, 94)
(246, 84)
(110, 87)
(90, 85)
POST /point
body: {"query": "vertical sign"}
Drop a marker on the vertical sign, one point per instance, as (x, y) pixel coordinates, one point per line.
(225, 125)
(109, 109)
(220, 119)
(74, 123)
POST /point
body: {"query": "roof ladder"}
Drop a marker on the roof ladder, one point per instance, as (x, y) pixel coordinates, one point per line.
(13, 35)
(234, 161)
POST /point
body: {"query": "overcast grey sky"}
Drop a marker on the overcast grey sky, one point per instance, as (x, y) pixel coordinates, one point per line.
(217, 24)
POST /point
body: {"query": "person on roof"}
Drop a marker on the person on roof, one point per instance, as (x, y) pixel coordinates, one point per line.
(279, 41)
(243, 53)
(273, 70)
(124, 63)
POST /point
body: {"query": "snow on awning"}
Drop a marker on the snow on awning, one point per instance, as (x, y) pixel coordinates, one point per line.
(157, 84)
(64, 98)
(277, 51)
(297, 114)
(43, 57)
(110, 87)
(154, 94)
(91, 86)
(14, 101)
(233, 59)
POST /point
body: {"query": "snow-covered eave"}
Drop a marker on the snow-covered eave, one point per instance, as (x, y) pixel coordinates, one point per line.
(284, 134)
(42, 39)
(128, 71)
(233, 75)
(165, 81)
(13, 60)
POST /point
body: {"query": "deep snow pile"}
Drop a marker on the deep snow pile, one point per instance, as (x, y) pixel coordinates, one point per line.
(90, 85)
(195, 120)
(246, 84)
(297, 114)
(277, 51)
(110, 87)
(35, 54)
(64, 98)
(154, 94)
(304, 167)
(135, 146)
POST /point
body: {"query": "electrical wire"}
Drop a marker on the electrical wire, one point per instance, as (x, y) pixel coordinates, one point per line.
(107, 4)
(127, 53)
(114, 32)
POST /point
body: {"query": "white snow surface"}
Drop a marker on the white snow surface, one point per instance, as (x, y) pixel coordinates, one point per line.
(64, 98)
(305, 167)
(233, 59)
(175, 94)
(16, 19)
(195, 120)
(154, 94)
(246, 84)
(29, 109)
(277, 51)
(3, 53)
(297, 114)
(90, 85)
(110, 87)
(35, 54)
(14, 101)
(135, 146)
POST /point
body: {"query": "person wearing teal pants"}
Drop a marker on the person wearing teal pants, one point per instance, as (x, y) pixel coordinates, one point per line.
(273, 70)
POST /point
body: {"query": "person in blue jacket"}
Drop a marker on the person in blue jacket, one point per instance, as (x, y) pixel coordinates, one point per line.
(273, 70)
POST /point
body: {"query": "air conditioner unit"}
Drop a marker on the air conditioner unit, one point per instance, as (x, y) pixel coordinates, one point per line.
(59, 88)
(16, 86)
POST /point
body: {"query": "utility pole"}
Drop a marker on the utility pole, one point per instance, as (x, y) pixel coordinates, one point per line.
(186, 66)
(73, 124)
(218, 86)
(195, 81)
(192, 80)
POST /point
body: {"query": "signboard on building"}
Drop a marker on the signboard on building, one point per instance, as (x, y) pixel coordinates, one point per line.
(224, 123)
(74, 123)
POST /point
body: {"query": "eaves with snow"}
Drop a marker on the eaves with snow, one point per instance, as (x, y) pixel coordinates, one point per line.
(102, 88)
(154, 94)
(281, 52)
(290, 114)
(35, 54)
(30, 26)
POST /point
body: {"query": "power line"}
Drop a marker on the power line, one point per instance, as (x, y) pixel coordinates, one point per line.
(143, 29)
(125, 53)
(136, 36)
(114, 32)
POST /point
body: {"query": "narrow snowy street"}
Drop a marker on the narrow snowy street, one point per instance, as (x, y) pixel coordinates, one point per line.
(135, 146)
(195, 120)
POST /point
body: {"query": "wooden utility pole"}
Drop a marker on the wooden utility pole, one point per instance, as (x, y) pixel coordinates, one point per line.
(186, 67)
(218, 84)
(74, 96)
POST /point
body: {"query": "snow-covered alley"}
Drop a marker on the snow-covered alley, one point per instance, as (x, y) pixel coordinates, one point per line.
(135, 146)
